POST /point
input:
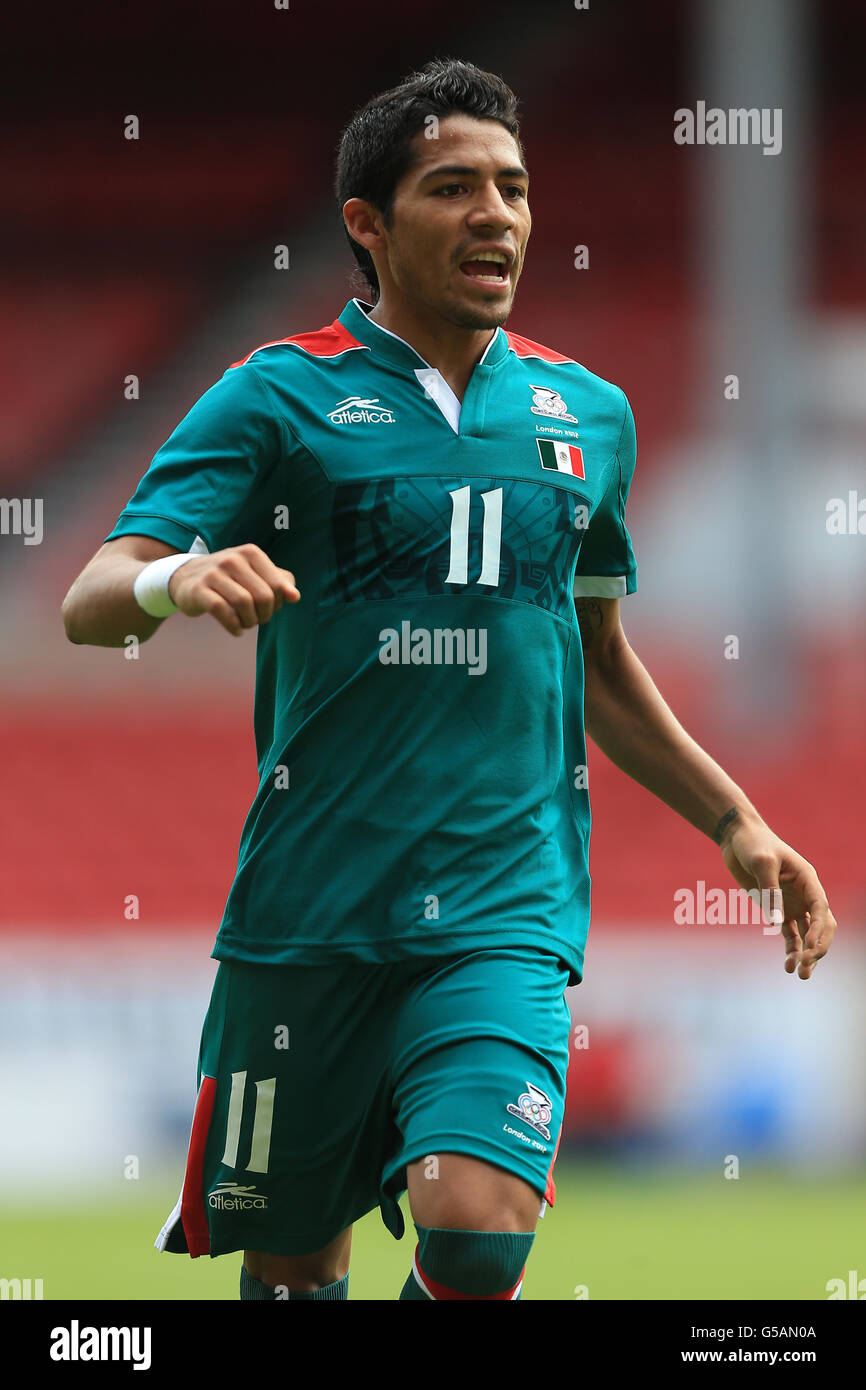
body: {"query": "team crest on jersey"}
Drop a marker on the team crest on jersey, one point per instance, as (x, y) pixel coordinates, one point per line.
(546, 401)
(365, 410)
(533, 1108)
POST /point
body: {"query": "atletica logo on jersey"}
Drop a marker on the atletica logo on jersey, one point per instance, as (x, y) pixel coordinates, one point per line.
(534, 1108)
(546, 401)
(565, 458)
(230, 1196)
(361, 410)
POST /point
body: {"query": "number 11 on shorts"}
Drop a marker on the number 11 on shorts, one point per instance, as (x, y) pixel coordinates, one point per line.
(262, 1122)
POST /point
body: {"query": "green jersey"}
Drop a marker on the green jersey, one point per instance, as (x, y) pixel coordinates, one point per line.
(419, 712)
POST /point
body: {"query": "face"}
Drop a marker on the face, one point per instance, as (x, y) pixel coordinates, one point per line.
(463, 199)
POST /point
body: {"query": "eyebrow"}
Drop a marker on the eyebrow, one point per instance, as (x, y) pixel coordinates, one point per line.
(515, 171)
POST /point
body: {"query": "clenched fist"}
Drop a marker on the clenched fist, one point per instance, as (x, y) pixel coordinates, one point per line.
(240, 586)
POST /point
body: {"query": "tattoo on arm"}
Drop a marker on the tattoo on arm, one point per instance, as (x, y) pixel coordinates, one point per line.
(733, 814)
(589, 619)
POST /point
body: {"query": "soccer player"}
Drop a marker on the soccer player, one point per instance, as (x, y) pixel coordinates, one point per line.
(412, 893)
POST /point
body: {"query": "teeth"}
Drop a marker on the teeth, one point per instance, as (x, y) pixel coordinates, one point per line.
(493, 258)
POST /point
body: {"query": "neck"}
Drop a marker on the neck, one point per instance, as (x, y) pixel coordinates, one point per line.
(452, 350)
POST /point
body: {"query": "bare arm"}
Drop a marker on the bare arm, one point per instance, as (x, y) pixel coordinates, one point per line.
(239, 586)
(631, 723)
(100, 608)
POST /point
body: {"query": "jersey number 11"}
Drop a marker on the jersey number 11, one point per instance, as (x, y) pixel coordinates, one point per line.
(491, 537)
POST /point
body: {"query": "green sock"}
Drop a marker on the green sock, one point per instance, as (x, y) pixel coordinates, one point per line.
(252, 1288)
(411, 1293)
(472, 1264)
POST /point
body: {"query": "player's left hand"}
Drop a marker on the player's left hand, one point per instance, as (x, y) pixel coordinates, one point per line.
(759, 859)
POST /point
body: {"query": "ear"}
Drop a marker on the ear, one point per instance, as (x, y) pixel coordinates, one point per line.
(364, 224)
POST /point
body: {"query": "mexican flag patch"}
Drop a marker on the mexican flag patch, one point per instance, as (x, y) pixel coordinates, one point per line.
(565, 458)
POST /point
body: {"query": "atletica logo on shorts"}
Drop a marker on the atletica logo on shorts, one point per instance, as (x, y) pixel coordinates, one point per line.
(533, 1108)
(230, 1196)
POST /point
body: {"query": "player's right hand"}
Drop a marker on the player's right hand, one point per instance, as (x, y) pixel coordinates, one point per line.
(241, 587)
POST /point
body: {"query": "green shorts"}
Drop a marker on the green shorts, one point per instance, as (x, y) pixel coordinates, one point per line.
(319, 1084)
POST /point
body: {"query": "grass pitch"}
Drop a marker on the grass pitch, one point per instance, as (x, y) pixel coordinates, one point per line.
(620, 1234)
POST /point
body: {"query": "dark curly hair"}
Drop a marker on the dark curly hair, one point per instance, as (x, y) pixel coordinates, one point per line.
(375, 147)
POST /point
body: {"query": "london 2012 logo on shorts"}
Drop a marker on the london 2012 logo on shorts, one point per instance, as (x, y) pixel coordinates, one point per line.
(533, 1108)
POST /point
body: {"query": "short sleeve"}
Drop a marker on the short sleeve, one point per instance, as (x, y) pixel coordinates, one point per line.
(207, 479)
(606, 566)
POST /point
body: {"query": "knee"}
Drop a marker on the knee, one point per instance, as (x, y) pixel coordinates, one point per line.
(471, 1195)
(458, 1210)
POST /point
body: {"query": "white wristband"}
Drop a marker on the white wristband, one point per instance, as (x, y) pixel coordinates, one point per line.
(151, 584)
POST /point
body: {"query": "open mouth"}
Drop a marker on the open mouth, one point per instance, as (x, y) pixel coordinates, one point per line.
(492, 270)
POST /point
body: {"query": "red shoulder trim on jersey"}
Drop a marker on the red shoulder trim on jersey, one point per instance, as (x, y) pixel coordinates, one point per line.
(324, 342)
(525, 347)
